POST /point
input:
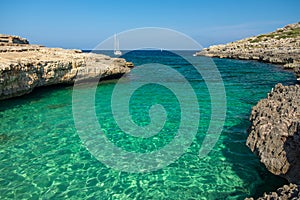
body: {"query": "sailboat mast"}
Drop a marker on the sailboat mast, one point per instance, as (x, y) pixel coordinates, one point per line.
(118, 44)
(115, 42)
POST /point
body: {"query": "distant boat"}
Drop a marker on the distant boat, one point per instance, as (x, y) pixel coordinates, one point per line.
(117, 51)
(195, 54)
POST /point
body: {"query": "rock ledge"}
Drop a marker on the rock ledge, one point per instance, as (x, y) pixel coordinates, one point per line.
(24, 67)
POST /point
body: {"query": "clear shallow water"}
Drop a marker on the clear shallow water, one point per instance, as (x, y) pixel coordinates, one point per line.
(43, 157)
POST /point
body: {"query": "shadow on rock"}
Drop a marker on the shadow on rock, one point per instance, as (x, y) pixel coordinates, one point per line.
(292, 149)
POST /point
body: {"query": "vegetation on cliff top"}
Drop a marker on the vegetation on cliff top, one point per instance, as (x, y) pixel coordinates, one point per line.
(289, 31)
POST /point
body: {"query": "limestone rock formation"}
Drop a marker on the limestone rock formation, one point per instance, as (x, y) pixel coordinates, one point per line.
(275, 132)
(12, 40)
(279, 47)
(287, 192)
(24, 67)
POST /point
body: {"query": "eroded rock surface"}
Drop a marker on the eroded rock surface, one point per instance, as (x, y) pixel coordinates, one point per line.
(275, 132)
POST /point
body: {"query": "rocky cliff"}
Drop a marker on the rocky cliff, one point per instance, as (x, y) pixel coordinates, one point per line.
(279, 47)
(24, 67)
(275, 132)
(275, 137)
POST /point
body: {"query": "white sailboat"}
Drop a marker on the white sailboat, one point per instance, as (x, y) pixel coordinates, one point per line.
(117, 51)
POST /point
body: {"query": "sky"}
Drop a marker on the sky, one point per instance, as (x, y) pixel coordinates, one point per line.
(84, 24)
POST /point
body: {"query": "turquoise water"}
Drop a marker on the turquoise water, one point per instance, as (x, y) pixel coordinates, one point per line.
(42, 156)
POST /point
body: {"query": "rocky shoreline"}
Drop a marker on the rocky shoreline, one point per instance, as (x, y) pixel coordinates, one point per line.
(24, 67)
(275, 132)
(279, 47)
(274, 135)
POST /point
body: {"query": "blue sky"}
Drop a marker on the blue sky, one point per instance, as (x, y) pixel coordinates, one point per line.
(83, 24)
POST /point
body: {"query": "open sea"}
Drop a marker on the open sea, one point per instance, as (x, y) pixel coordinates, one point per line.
(43, 157)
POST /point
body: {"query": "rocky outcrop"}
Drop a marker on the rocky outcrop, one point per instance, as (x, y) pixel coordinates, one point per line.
(12, 40)
(286, 192)
(279, 47)
(275, 132)
(24, 67)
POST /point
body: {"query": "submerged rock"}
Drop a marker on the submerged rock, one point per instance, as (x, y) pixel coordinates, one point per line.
(275, 132)
(24, 67)
(3, 138)
(286, 192)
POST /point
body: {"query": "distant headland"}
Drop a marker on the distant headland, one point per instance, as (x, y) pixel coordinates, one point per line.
(279, 47)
